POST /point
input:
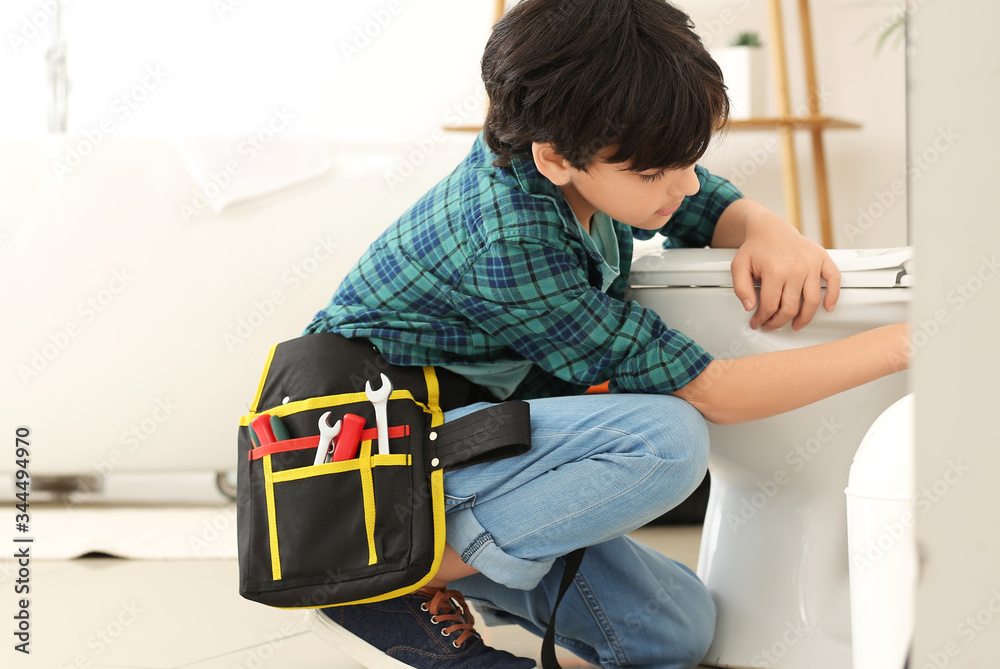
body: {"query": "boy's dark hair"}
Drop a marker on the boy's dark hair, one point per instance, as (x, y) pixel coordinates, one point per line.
(588, 74)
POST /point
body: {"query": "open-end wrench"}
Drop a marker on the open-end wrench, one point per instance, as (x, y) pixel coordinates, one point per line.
(327, 433)
(380, 398)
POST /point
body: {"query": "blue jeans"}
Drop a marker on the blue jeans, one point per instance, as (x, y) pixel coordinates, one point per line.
(599, 466)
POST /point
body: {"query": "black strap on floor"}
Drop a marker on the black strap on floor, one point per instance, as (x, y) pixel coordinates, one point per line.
(549, 642)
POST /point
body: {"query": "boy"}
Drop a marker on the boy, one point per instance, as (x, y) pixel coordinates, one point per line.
(512, 271)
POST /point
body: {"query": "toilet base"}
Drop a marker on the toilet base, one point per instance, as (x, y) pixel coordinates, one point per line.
(774, 545)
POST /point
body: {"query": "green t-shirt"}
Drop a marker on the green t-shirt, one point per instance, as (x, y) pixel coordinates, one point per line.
(503, 376)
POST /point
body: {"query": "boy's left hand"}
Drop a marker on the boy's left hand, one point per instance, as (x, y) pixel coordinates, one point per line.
(788, 265)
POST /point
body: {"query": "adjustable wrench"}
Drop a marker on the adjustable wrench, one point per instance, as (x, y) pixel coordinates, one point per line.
(380, 398)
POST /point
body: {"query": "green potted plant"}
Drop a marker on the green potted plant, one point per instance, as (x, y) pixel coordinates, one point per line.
(744, 68)
(892, 28)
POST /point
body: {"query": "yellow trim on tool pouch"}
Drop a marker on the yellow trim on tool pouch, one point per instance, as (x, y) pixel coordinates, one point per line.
(260, 385)
(433, 396)
(326, 402)
(272, 524)
(299, 473)
(368, 497)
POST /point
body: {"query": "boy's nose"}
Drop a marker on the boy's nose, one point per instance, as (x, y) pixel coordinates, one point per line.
(688, 184)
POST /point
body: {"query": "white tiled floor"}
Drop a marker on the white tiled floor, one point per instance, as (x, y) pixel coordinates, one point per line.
(146, 612)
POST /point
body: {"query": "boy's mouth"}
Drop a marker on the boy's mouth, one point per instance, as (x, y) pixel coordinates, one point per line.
(668, 210)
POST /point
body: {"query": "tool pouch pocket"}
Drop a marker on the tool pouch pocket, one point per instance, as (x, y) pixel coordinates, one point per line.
(371, 526)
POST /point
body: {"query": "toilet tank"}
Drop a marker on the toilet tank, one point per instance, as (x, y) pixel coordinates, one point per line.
(692, 291)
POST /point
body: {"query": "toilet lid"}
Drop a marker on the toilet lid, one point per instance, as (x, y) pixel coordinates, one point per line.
(859, 268)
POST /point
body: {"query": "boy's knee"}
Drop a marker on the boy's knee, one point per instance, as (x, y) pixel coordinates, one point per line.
(694, 631)
(681, 437)
(692, 425)
(700, 629)
(674, 633)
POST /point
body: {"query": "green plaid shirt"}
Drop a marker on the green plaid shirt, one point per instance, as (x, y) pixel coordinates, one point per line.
(490, 265)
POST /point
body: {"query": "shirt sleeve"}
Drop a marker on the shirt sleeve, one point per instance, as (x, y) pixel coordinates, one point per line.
(693, 224)
(535, 298)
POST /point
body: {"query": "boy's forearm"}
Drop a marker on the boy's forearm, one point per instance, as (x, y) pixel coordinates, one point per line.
(731, 230)
(734, 224)
(758, 386)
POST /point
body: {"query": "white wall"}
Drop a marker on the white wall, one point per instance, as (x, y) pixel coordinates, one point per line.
(955, 87)
(399, 69)
(856, 85)
(378, 69)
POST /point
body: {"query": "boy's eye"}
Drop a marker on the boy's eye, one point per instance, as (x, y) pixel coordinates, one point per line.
(652, 177)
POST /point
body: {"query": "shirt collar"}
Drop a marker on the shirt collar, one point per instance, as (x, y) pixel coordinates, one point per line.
(524, 173)
(531, 180)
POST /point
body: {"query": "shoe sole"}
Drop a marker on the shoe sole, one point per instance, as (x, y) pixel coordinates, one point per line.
(351, 646)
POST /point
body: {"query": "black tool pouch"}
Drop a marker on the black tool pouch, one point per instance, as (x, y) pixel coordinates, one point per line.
(367, 528)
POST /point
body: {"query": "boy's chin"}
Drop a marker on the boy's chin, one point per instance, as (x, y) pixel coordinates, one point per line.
(655, 222)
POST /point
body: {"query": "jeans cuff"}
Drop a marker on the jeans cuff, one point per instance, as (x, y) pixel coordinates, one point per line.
(478, 549)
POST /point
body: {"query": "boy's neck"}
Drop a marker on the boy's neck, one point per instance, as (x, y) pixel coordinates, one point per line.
(582, 209)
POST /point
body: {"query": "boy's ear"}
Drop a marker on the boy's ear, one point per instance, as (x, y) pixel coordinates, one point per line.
(551, 164)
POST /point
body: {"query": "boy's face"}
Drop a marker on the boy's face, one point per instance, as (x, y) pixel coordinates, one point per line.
(643, 200)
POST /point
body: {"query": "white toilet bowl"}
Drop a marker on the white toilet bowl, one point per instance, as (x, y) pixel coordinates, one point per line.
(774, 546)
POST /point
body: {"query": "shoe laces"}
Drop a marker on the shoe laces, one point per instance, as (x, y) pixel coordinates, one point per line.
(449, 606)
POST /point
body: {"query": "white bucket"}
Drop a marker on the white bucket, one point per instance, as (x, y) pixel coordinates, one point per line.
(881, 540)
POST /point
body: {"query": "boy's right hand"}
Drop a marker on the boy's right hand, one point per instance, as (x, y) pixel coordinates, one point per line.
(790, 268)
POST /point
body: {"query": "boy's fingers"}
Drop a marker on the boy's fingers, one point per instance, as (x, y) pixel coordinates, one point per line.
(770, 300)
(830, 272)
(810, 303)
(743, 282)
(791, 298)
